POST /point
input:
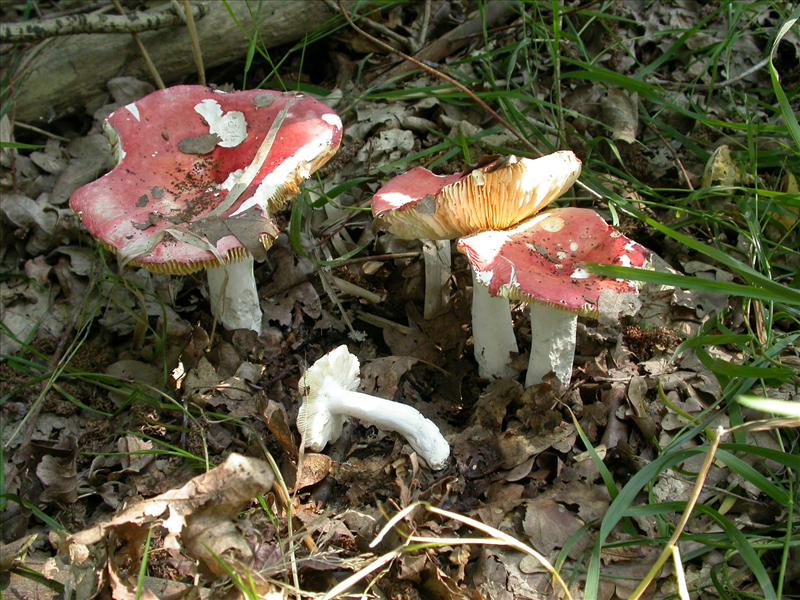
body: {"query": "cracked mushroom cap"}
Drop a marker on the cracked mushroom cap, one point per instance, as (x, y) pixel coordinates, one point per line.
(541, 260)
(202, 171)
(421, 205)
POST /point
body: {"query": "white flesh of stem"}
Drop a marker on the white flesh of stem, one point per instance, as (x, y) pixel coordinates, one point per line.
(436, 254)
(233, 295)
(492, 332)
(421, 433)
(552, 343)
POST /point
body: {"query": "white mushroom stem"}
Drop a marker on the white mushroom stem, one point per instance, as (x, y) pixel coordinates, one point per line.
(233, 294)
(421, 433)
(552, 343)
(492, 332)
(436, 255)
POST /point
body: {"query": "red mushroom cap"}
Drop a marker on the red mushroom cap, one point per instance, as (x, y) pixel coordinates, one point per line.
(201, 171)
(421, 205)
(541, 259)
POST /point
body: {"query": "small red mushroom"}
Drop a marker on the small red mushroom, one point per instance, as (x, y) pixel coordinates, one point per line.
(421, 205)
(201, 173)
(541, 262)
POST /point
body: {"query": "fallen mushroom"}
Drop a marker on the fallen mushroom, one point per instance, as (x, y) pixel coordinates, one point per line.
(329, 395)
(200, 174)
(421, 205)
(540, 262)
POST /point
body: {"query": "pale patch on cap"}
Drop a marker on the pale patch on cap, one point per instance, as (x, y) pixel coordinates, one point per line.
(553, 224)
(231, 127)
(332, 119)
(134, 110)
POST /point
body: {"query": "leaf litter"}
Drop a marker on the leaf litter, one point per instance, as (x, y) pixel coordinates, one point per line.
(172, 392)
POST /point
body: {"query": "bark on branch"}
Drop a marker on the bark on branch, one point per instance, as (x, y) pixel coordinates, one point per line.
(31, 31)
(59, 75)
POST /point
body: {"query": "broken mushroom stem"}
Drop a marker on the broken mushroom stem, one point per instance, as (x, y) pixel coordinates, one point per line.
(330, 396)
(420, 432)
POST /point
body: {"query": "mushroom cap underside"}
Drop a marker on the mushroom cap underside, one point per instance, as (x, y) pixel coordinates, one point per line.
(421, 205)
(337, 370)
(542, 259)
(201, 171)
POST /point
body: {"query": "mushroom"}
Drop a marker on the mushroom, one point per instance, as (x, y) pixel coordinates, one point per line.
(329, 395)
(421, 205)
(540, 262)
(199, 177)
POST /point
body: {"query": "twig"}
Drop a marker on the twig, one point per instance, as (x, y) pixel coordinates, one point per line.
(714, 86)
(35, 129)
(675, 156)
(382, 322)
(31, 31)
(325, 279)
(151, 67)
(423, 26)
(381, 257)
(377, 27)
(444, 77)
(347, 287)
(197, 53)
(88, 8)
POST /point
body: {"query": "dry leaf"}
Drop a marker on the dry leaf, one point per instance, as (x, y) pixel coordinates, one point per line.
(199, 514)
(621, 114)
(315, 468)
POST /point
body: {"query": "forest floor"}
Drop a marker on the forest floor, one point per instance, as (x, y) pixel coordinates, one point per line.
(126, 410)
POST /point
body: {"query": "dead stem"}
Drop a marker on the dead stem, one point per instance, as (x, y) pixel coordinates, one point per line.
(151, 67)
(197, 53)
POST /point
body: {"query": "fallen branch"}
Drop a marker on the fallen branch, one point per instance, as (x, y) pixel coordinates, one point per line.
(61, 75)
(31, 31)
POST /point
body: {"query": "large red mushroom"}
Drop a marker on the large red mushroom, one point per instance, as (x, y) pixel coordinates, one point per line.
(201, 173)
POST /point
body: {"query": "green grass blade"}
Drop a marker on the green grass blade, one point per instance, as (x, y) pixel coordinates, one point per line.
(787, 408)
(738, 466)
(143, 565)
(617, 510)
(775, 293)
(788, 113)
(792, 461)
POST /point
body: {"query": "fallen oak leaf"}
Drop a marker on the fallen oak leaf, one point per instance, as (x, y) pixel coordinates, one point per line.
(200, 513)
